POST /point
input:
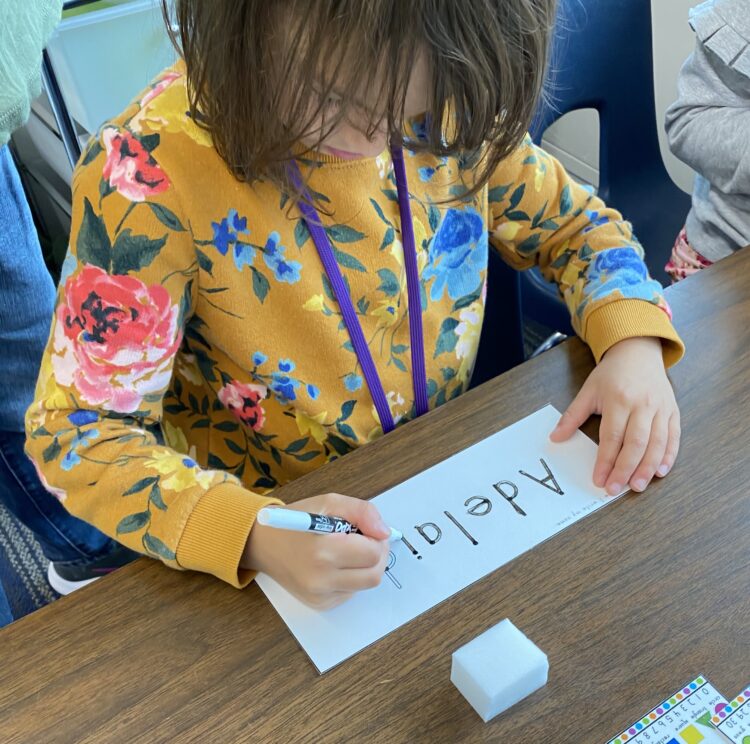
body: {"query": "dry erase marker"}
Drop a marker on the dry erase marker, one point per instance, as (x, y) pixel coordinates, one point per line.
(290, 519)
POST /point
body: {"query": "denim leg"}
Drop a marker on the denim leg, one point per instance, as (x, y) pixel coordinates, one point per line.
(63, 537)
(6, 616)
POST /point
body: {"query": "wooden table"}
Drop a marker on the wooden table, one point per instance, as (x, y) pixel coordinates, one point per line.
(629, 604)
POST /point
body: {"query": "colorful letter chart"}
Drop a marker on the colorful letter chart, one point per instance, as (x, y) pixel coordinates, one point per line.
(683, 718)
(733, 720)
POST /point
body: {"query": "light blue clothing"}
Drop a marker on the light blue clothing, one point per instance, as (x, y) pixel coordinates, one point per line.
(27, 299)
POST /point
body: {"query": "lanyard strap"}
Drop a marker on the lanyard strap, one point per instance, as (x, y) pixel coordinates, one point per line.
(353, 326)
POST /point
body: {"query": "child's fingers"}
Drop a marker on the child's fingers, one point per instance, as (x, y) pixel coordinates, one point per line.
(575, 415)
(673, 446)
(359, 512)
(634, 447)
(657, 446)
(324, 601)
(611, 435)
(358, 551)
(357, 579)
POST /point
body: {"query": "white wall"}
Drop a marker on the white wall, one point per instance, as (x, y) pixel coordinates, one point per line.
(575, 138)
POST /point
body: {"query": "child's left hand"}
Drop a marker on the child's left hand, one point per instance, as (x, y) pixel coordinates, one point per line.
(639, 433)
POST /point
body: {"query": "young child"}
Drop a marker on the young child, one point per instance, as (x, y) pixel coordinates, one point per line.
(216, 336)
(709, 129)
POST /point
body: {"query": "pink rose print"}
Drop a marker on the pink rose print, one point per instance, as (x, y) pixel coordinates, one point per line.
(243, 400)
(130, 168)
(114, 339)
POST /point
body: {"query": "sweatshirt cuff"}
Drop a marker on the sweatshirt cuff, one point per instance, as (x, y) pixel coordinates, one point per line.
(216, 532)
(621, 319)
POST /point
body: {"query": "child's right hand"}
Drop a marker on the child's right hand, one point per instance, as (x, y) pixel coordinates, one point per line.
(323, 570)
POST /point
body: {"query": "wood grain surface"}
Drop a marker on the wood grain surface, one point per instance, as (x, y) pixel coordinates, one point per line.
(629, 604)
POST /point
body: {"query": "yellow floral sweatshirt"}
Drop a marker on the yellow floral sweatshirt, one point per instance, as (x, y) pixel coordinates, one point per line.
(198, 359)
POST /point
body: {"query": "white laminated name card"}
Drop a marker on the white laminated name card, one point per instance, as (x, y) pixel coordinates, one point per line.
(461, 519)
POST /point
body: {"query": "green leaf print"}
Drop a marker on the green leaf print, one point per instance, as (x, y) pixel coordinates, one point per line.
(433, 215)
(516, 196)
(388, 238)
(297, 445)
(398, 363)
(391, 194)
(204, 261)
(52, 452)
(156, 499)
(141, 485)
(133, 522)
(344, 234)
(305, 456)
(497, 193)
(539, 215)
(167, 217)
(466, 300)
(157, 547)
(339, 445)
(93, 245)
(134, 252)
(530, 244)
(517, 215)
(388, 283)
(346, 430)
(348, 261)
(149, 141)
(261, 285)
(92, 153)
(301, 233)
(379, 210)
(216, 462)
(346, 409)
(447, 339)
(234, 446)
(566, 202)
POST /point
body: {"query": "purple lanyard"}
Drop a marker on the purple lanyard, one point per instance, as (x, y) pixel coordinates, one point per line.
(361, 349)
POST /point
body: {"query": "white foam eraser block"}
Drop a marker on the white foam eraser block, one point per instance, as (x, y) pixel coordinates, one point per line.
(497, 669)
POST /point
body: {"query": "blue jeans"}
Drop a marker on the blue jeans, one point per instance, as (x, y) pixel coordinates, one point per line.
(62, 537)
(27, 298)
(5, 613)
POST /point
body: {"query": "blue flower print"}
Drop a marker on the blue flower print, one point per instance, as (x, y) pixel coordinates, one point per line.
(353, 382)
(458, 254)
(596, 219)
(283, 269)
(72, 458)
(280, 381)
(426, 174)
(284, 387)
(81, 418)
(227, 232)
(619, 270)
(420, 127)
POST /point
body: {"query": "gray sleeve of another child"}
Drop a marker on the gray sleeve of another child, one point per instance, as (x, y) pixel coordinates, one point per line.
(708, 125)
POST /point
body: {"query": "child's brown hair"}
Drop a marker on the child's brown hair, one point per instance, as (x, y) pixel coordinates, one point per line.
(254, 72)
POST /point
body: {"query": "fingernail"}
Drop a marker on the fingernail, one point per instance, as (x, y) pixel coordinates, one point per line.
(663, 469)
(640, 485)
(383, 527)
(613, 489)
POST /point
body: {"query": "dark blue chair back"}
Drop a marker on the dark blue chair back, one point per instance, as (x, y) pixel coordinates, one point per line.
(501, 345)
(602, 58)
